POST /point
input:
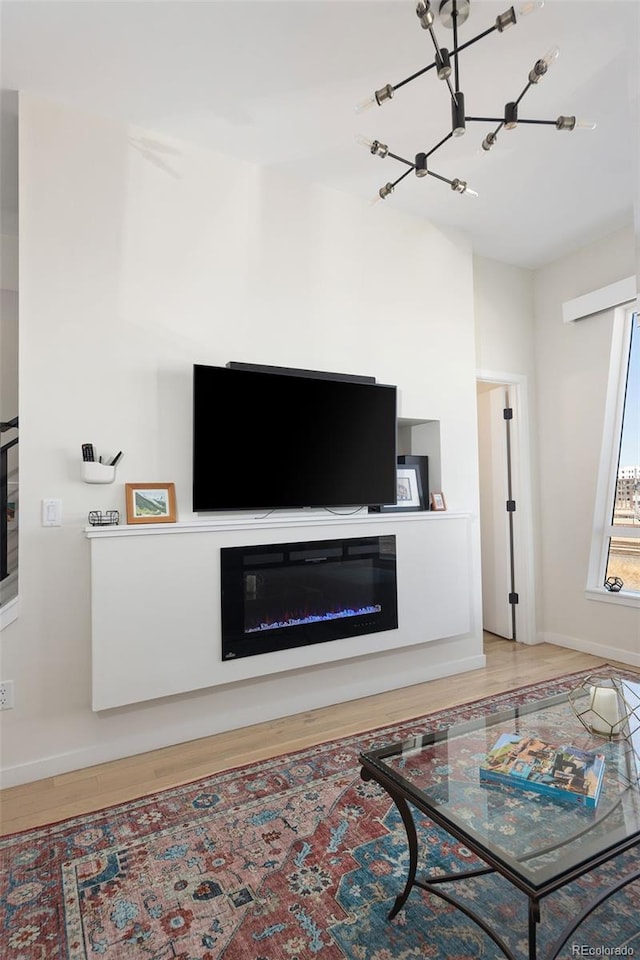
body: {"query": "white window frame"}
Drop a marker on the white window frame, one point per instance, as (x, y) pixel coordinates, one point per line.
(603, 529)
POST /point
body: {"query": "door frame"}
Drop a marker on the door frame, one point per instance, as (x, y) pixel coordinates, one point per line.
(524, 551)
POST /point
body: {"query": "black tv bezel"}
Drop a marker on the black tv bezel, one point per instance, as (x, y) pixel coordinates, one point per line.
(290, 372)
(299, 372)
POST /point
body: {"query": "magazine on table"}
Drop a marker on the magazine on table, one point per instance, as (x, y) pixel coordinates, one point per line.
(560, 771)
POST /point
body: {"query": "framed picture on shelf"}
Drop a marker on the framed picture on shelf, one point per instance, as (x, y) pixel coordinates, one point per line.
(422, 463)
(151, 502)
(409, 495)
(437, 501)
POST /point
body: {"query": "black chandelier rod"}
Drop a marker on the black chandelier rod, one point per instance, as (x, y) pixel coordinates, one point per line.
(437, 49)
(430, 173)
(412, 166)
(438, 145)
(409, 163)
(454, 53)
(500, 120)
(454, 16)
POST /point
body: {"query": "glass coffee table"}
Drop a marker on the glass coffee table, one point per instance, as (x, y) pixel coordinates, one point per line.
(536, 842)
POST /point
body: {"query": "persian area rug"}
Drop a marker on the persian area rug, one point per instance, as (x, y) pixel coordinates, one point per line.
(293, 858)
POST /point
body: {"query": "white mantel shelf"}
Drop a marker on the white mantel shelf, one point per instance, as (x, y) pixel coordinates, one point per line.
(262, 523)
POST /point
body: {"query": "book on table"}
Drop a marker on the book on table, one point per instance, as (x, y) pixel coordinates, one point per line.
(560, 771)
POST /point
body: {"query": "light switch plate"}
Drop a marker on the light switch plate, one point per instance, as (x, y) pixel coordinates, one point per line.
(52, 513)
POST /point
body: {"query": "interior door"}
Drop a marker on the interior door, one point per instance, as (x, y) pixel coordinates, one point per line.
(497, 561)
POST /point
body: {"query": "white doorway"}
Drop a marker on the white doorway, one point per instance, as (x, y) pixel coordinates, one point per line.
(506, 527)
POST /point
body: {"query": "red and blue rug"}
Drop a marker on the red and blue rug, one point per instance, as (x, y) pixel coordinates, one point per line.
(294, 858)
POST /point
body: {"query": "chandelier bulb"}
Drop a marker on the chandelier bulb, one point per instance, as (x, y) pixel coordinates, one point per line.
(551, 56)
(377, 98)
(570, 123)
(460, 186)
(366, 104)
(384, 192)
(540, 67)
(526, 8)
(374, 146)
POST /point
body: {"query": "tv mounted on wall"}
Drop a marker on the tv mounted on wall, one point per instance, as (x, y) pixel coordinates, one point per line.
(272, 438)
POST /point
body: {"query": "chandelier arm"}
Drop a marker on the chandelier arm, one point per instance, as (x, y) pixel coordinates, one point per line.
(395, 156)
(448, 79)
(396, 86)
(430, 173)
(405, 174)
(453, 53)
(463, 46)
(528, 87)
(454, 14)
(552, 123)
(438, 145)
(499, 120)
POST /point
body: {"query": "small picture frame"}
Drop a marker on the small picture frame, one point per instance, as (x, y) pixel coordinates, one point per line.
(409, 495)
(438, 501)
(151, 502)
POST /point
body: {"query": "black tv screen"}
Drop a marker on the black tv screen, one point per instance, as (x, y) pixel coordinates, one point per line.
(266, 441)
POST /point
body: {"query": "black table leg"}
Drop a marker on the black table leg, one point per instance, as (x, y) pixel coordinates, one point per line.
(534, 920)
(412, 839)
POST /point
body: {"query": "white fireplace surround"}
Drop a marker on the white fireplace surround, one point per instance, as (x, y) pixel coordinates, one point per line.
(157, 588)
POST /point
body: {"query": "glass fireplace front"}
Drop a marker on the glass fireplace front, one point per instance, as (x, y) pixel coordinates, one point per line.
(283, 595)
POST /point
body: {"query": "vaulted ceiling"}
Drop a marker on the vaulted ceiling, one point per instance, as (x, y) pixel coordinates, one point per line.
(275, 82)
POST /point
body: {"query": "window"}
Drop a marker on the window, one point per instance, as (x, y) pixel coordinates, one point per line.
(615, 557)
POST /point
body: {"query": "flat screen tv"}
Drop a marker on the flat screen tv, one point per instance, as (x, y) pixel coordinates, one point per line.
(268, 441)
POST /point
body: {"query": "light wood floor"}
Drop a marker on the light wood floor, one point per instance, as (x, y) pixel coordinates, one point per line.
(509, 665)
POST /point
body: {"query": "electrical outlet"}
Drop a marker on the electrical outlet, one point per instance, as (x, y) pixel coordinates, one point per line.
(6, 695)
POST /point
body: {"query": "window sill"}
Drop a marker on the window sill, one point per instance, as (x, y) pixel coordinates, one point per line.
(623, 597)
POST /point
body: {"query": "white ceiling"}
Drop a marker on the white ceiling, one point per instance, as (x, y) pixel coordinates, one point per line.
(276, 83)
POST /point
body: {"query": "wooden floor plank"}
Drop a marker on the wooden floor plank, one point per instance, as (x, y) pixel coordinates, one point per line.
(509, 665)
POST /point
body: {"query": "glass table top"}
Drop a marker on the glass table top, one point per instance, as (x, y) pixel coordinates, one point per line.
(534, 837)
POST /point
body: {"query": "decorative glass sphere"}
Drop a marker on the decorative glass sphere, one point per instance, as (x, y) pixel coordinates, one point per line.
(614, 584)
(609, 707)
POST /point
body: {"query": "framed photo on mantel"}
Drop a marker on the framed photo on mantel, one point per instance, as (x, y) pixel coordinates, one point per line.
(151, 502)
(409, 492)
(422, 463)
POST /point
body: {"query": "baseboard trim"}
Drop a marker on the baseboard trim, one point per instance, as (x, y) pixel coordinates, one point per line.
(56, 764)
(597, 649)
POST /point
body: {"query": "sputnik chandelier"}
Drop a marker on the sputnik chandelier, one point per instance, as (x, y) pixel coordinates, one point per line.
(452, 14)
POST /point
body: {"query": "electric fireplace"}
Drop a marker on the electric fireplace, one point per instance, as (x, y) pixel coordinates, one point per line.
(283, 595)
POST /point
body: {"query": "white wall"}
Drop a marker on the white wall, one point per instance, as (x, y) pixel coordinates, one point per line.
(134, 264)
(503, 305)
(505, 353)
(572, 364)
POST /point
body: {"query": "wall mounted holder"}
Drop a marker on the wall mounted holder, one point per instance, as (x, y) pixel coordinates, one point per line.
(95, 472)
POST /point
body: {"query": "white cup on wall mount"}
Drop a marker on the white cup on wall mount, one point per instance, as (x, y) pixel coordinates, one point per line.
(95, 471)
